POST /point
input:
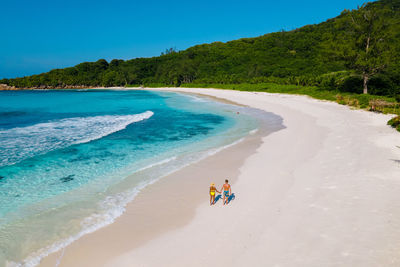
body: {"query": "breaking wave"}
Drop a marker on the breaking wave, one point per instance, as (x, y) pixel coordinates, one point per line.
(20, 143)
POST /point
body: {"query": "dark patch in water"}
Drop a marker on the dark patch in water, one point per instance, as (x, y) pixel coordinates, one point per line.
(70, 150)
(105, 154)
(12, 113)
(2, 177)
(67, 178)
(80, 158)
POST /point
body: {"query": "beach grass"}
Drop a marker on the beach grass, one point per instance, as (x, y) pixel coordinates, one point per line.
(395, 123)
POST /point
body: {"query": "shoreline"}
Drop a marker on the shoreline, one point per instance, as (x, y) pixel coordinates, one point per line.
(235, 151)
(159, 208)
(327, 198)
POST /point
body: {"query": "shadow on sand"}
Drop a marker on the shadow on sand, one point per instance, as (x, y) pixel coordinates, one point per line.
(230, 198)
(396, 160)
(217, 198)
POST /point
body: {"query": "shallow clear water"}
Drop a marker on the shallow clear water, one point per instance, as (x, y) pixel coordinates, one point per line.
(70, 160)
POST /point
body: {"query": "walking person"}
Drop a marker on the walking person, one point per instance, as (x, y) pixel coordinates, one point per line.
(227, 191)
(213, 189)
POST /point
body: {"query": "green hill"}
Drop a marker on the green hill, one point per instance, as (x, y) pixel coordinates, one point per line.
(329, 55)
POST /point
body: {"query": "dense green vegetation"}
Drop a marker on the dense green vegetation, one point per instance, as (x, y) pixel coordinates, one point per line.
(395, 123)
(339, 54)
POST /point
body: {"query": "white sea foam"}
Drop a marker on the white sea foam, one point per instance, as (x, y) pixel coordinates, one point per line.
(111, 208)
(216, 150)
(194, 98)
(158, 163)
(253, 131)
(90, 224)
(23, 142)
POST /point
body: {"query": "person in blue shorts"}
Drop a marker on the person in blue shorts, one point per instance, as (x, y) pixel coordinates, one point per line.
(226, 188)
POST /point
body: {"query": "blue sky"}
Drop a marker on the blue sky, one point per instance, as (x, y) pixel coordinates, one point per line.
(37, 36)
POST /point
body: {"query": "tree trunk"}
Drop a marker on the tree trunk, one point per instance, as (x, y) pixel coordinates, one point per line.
(365, 76)
(365, 83)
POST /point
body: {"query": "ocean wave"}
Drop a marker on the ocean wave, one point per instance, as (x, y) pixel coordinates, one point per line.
(113, 207)
(110, 209)
(20, 143)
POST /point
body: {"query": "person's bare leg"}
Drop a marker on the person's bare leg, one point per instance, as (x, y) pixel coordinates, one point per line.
(211, 200)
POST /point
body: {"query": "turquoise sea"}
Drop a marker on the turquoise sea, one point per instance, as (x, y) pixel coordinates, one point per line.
(70, 160)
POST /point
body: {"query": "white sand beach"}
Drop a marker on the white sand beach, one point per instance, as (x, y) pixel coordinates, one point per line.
(324, 191)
